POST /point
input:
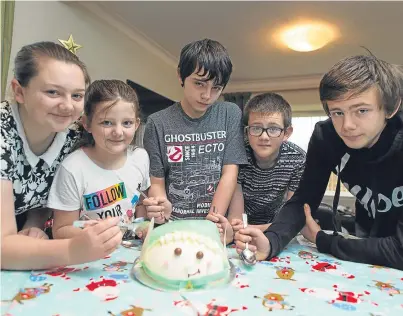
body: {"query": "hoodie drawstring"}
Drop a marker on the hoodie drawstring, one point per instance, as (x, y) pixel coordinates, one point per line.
(336, 222)
(375, 224)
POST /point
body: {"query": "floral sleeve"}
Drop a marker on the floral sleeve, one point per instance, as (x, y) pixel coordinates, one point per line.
(6, 150)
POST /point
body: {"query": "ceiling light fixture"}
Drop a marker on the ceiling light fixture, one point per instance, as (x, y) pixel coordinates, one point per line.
(306, 36)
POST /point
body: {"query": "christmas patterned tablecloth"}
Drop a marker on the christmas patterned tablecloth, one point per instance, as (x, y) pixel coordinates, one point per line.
(300, 281)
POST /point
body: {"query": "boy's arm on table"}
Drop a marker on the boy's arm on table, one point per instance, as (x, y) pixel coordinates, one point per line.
(222, 224)
(156, 151)
(292, 187)
(291, 218)
(235, 211)
(386, 251)
(158, 201)
(296, 175)
(295, 179)
(234, 156)
(236, 206)
(225, 189)
(140, 207)
(262, 227)
(222, 199)
(157, 188)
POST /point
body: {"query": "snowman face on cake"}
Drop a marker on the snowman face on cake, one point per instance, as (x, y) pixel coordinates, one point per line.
(185, 256)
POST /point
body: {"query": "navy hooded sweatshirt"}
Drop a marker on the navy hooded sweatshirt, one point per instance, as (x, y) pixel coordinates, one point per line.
(373, 175)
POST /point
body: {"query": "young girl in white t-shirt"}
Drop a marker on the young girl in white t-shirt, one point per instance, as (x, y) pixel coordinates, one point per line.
(104, 176)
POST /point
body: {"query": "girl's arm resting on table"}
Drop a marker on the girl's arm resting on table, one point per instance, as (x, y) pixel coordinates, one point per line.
(63, 224)
(20, 252)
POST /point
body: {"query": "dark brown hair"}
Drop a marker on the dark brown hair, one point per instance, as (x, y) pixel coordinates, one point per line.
(105, 91)
(353, 75)
(26, 61)
(208, 56)
(268, 103)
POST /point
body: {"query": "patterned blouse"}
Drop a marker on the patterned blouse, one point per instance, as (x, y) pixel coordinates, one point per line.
(30, 174)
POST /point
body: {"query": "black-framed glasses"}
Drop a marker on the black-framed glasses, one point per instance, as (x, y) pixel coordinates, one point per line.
(257, 131)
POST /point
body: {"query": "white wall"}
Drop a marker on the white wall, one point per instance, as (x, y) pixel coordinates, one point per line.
(304, 102)
(107, 53)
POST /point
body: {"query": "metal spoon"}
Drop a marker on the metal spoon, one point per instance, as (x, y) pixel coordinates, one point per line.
(247, 256)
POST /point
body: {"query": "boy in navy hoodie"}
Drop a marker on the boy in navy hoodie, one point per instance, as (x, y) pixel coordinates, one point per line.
(362, 143)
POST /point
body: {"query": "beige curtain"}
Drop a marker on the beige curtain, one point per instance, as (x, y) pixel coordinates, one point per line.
(7, 21)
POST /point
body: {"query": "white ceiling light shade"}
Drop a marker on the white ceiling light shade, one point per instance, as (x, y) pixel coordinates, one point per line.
(306, 36)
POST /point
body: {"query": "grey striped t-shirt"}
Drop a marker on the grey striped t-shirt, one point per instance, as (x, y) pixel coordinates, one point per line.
(264, 190)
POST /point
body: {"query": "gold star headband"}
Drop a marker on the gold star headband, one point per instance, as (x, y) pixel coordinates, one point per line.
(70, 44)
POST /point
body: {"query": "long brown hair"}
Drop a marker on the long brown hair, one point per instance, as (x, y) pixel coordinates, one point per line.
(26, 60)
(105, 91)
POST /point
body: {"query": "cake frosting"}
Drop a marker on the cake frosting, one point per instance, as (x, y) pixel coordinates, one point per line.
(185, 254)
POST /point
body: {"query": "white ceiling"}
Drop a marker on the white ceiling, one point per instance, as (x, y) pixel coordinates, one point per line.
(245, 28)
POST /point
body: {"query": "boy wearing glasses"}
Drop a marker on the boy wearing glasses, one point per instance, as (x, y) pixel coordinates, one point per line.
(275, 165)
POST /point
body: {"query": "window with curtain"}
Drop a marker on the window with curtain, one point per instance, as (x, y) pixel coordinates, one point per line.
(303, 129)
